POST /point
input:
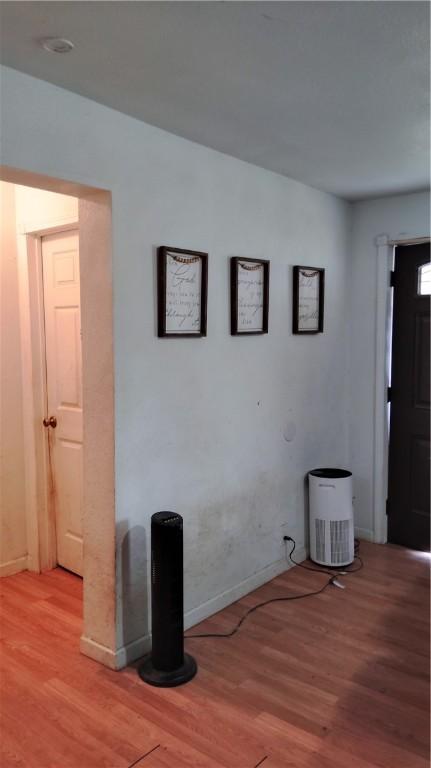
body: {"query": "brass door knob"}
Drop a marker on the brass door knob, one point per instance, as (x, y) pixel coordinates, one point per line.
(51, 422)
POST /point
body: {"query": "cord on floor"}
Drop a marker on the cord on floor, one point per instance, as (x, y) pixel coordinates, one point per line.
(332, 580)
(321, 569)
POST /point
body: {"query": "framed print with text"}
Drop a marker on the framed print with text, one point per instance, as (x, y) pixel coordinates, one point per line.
(249, 287)
(308, 299)
(182, 288)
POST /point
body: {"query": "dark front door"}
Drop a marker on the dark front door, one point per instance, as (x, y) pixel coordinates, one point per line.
(409, 445)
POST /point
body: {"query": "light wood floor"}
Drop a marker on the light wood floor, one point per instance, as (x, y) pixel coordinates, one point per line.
(335, 681)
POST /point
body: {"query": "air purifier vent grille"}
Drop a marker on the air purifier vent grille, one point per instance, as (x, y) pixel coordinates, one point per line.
(340, 541)
(320, 539)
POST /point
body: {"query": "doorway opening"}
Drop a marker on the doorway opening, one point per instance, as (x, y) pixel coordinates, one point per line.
(64, 418)
(383, 356)
(57, 338)
(408, 505)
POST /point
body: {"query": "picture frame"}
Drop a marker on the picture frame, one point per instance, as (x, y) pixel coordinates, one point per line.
(182, 292)
(308, 299)
(249, 286)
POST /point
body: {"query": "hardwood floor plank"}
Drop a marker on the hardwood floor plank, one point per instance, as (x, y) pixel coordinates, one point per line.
(334, 681)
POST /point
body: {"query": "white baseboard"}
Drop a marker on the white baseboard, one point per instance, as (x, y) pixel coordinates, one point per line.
(13, 566)
(132, 651)
(228, 597)
(364, 533)
(142, 645)
(98, 652)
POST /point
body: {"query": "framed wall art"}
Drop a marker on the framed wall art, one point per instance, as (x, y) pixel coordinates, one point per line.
(308, 299)
(249, 287)
(182, 287)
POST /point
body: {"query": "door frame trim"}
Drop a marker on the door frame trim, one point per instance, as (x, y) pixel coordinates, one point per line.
(39, 513)
(383, 348)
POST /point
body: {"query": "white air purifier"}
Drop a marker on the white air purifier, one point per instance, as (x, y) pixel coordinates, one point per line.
(331, 517)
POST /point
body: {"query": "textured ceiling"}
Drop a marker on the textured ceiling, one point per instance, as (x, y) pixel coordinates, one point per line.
(334, 94)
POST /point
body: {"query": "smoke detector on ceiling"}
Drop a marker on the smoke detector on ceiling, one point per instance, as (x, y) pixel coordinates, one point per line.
(57, 45)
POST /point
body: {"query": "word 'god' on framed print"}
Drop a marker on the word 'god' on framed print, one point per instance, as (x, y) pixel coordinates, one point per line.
(182, 287)
(249, 293)
(308, 299)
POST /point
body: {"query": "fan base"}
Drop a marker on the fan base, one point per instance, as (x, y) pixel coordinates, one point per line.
(171, 679)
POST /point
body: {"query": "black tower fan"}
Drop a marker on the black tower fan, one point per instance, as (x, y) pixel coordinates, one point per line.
(167, 665)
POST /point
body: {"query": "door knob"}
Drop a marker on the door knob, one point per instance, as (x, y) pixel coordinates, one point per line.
(51, 422)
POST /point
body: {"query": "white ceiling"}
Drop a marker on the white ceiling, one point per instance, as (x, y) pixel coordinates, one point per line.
(334, 94)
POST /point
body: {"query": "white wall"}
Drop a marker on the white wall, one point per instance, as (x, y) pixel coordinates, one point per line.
(37, 208)
(399, 217)
(221, 429)
(13, 538)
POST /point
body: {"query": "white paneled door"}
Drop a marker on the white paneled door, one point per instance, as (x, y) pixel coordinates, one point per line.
(64, 417)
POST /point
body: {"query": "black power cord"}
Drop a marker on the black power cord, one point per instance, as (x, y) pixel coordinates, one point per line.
(331, 580)
(334, 571)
